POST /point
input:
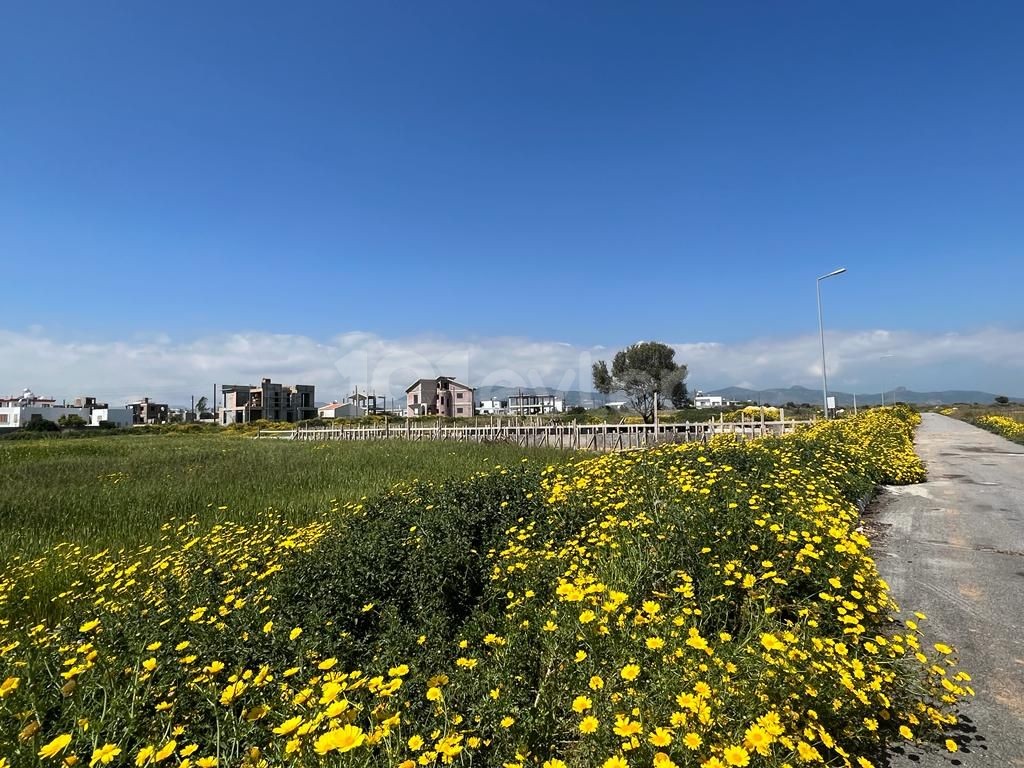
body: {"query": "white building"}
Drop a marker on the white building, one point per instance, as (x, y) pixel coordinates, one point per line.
(700, 400)
(337, 410)
(492, 407)
(119, 417)
(533, 404)
(18, 411)
(14, 416)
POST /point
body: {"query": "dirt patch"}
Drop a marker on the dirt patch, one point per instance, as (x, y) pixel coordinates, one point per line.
(870, 524)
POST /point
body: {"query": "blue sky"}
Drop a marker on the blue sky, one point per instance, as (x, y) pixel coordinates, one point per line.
(603, 172)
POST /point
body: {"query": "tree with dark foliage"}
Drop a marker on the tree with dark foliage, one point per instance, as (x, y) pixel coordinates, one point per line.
(645, 371)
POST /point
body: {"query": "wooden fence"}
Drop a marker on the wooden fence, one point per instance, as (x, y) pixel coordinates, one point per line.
(577, 437)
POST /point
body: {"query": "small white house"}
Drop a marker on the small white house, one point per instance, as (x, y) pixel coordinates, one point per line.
(12, 416)
(700, 400)
(119, 417)
(492, 407)
(338, 410)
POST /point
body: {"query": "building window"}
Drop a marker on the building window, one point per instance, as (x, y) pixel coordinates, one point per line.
(415, 399)
(459, 395)
(458, 410)
(3, 418)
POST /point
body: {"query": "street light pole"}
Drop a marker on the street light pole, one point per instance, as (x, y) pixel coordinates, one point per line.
(888, 356)
(821, 335)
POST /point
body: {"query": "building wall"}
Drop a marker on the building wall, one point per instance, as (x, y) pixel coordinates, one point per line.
(466, 403)
(707, 401)
(442, 401)
(430, 397)
(343, 411)
(9, 415)
(303, 401)
(535, 404)
(121, 417)
(270, 403)
(288, 403)
(423, 394)
(19, 415)
(268, 400)
(146, 411)
(86, 401)
(235, 399)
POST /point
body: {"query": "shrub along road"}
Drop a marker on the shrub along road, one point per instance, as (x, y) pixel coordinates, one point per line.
(691, 606)
(953, 548)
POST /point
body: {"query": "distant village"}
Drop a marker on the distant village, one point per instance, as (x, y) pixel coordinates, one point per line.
(442, 396)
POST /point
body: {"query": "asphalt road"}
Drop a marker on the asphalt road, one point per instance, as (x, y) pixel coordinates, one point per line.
(953, 548)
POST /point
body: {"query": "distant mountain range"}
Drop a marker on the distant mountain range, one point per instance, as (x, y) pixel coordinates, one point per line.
(845, 399)
(779, 396)
(571, 397)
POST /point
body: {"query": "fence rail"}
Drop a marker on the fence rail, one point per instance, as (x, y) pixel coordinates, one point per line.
(579, 437)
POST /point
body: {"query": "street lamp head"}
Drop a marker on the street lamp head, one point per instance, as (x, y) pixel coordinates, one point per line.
(833, 273)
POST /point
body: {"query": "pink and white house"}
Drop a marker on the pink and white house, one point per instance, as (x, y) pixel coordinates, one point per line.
(443, 396)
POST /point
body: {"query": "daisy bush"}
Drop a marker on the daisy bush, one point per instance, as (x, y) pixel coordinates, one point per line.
(1003, 426)
(702, 605)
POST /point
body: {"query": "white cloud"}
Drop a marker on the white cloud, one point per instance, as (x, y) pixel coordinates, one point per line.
(170, 370)
(987, 359)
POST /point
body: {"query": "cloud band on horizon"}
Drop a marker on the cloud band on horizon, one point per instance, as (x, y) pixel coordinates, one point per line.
(174, 370)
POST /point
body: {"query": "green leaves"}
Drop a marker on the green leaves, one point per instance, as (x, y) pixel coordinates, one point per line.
(644, 371)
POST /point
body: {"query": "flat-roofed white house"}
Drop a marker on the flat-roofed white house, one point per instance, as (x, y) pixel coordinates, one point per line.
(700, 400)
(443, 396)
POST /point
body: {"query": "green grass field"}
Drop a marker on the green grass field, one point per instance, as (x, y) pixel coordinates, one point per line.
(688, 605)
(115, 491)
